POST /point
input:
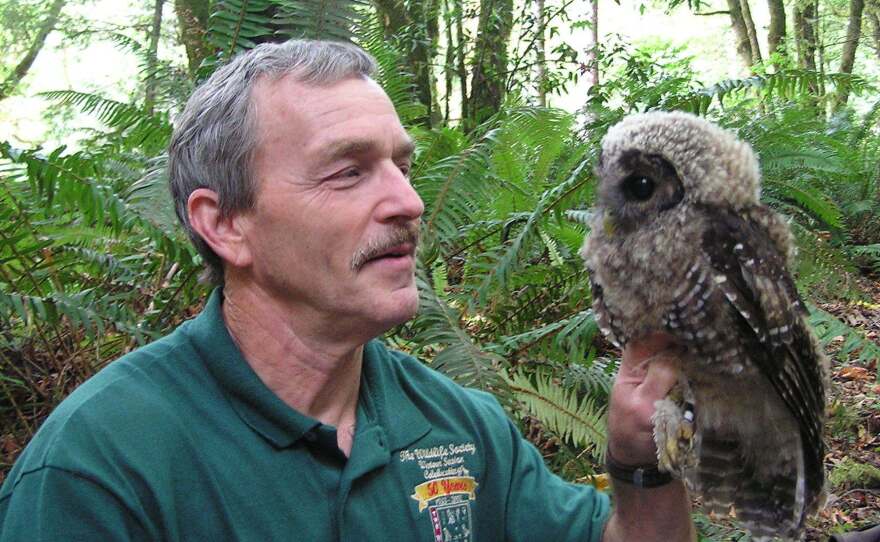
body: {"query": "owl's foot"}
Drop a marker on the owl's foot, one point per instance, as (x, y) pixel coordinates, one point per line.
(674, 430)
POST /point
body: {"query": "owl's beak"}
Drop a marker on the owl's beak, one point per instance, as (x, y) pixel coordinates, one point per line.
(608, 224)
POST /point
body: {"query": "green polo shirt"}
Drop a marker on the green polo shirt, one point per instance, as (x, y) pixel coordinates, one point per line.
(181, 440)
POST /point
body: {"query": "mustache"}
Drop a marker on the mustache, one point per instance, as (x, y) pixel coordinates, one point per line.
(401, 234)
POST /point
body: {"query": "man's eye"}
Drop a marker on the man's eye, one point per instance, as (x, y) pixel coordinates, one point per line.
(405, 169)
(350, 173)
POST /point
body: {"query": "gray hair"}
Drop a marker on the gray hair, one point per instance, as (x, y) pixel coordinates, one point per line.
(215, 137)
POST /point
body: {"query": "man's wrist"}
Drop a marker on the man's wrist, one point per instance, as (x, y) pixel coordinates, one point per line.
(640, 476)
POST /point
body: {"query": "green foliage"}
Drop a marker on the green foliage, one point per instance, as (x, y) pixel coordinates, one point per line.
(574, 418)
(319, 19)
(843, 420)
(131, 126)
(714, 531)
(828, 328)
(850, 473)
(238, 25)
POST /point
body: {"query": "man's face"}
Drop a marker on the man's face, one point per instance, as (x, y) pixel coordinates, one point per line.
(334, 228)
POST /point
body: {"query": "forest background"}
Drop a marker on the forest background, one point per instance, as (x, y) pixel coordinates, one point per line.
(507, 101)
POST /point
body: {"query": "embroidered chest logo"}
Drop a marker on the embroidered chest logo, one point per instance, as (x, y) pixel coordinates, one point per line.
(448, 489)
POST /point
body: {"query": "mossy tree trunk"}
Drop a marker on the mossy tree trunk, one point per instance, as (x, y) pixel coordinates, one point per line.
(848, 56)
(192, 18)
(490, 59)
(741, 35)
(152, 58)
(776, 31)
(416, 26)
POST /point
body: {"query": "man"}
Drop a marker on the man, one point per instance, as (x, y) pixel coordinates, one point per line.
(274, 415)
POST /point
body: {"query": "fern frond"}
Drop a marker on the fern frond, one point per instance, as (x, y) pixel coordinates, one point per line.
(453, 188)
(574, 419)
(499, 273)
(320, 19)
(438, 327)
(151, 131)
(828, 327)
(391, 75)
(234, 24)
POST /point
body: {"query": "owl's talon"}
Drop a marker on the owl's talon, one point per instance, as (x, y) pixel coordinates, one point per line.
(674, 433)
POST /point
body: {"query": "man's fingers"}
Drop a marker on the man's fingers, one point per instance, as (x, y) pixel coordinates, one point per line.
(638, 351)
(662, 375)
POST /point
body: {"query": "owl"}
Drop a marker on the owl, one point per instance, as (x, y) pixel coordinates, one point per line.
(680, 244)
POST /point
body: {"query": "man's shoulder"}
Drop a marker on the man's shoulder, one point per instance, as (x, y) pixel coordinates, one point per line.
(131, 402)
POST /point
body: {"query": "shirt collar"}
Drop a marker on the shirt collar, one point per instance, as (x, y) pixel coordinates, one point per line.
(382, 392)
(254, 402)
(385, 393)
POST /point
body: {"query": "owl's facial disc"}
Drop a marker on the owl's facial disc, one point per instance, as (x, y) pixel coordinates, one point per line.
(638, 187)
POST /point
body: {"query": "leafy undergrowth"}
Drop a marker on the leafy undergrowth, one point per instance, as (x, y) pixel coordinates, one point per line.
(853, 428)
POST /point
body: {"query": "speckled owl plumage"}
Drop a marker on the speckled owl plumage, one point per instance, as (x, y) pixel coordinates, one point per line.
(681, 244)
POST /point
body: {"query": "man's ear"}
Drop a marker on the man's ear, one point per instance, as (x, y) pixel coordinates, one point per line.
(223, 234)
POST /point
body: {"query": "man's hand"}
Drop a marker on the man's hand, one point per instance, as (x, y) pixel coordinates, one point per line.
(647, 373)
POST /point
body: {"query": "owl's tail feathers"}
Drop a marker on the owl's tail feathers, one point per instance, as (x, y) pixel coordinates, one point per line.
(766, 504)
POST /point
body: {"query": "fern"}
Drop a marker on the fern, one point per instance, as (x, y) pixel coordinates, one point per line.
(827, 328)
(574, 419)
(320, 19)
(439, 328)
(510, 254)
(235, 24)
(140, 129)
(785, 84)
(397, 83)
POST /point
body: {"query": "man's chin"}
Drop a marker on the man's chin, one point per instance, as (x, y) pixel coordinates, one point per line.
(402, 306)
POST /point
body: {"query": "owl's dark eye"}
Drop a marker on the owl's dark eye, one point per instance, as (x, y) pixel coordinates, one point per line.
(638, 187)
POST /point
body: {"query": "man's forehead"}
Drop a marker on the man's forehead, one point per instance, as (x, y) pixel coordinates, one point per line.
(349, 117)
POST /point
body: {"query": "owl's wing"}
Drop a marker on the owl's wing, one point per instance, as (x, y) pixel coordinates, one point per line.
(751, 272)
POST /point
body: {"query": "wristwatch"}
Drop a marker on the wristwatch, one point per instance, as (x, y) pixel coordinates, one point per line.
(640, 476)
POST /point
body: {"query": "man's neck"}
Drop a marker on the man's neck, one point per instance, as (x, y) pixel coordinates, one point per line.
(318, 379)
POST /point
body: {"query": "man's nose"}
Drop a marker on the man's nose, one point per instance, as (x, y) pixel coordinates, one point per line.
(401, 200)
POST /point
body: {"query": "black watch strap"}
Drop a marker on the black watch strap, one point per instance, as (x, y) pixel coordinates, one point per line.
(640, 476)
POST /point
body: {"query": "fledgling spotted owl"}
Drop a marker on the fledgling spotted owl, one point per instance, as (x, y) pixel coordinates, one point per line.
(681, 244)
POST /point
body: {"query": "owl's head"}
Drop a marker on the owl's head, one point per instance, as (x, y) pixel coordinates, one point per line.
(654, 162)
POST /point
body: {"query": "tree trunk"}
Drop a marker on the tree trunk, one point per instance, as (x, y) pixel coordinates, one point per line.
(750, 31)
(873, 14)
(21, 69)
(776, 31)
(152, 58)
(805, 34)
(415, 25)
(489, 79)
(541, 53)
(192, 18)
(460, 54)
(743, 45)
(820, 50)
(848, 57)
(449, 66)
(593, 52)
